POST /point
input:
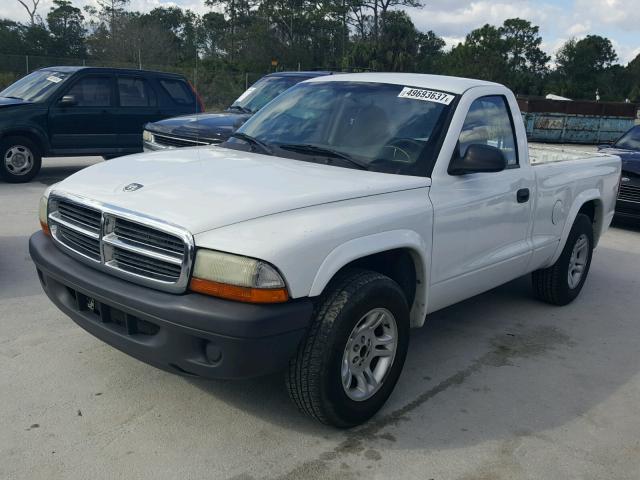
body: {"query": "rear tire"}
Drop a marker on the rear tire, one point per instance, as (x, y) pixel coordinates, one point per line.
(335, 377)
(20, 159)
(562, 282)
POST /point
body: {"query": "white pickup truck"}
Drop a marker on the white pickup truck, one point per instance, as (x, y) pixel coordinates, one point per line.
(337, 218)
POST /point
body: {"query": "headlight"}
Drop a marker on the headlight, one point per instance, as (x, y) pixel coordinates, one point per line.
(237, 278)
(42, 214)
(147, 136)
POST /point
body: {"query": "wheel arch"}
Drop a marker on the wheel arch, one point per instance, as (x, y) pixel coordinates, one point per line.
(33, 134)
(399, 254)
(589, 203)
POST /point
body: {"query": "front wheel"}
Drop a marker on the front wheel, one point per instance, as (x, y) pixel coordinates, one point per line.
(561, 283)
(352, 356)
(20, 159)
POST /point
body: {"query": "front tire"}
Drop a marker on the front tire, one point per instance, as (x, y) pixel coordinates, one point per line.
(20, 159)
(561, 283)
(352, 356)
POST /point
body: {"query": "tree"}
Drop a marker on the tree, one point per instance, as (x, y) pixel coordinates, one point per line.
(11, 37)
(398, 42)
(483, 55)
(526, 61)
(581, 65)
(430, 52)
(110, 11)
(67, 30)
(32, 9)
(633, 78)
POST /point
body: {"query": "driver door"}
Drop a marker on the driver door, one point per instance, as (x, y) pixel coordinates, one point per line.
(481, 223)
(87, 125)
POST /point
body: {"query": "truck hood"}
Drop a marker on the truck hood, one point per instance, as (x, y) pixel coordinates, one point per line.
(214, 126)
(206, 188)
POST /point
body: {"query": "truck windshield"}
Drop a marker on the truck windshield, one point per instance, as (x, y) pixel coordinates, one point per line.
(378, 127)
(262, 92)
(36, 86)
(630, 140)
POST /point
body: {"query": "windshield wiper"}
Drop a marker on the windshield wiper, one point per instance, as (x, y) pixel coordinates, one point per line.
(15, 98)
(253, 141)
(327, 152)
(240, 109)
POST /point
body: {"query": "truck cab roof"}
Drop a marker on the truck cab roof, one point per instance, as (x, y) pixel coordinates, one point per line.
(456, 85)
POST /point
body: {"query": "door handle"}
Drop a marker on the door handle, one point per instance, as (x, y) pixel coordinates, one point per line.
(523, 195)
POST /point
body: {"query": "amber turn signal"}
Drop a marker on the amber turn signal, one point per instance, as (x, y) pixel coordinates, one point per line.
(239, 294)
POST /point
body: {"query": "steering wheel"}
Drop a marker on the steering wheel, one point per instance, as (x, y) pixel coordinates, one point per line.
(402, 150)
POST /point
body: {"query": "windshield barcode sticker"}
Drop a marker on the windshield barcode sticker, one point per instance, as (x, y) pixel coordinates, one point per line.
(426, 95)
(54, 79)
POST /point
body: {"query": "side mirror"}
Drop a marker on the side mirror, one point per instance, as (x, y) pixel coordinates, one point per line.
(67, 101)
(478, 158)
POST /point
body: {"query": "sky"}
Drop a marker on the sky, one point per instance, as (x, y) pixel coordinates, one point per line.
(559, 20)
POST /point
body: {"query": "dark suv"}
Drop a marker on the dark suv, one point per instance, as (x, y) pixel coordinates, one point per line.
(66, 111)
(211, 128)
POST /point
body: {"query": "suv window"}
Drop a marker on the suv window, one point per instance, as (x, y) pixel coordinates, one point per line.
(135, 92)
(489, 123)
(92, 92)
(178, 91)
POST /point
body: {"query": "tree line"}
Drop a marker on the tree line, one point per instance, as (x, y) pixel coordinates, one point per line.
(347, 35)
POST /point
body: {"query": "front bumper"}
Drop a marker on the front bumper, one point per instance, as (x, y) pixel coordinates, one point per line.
(189, 334)
(628, 209)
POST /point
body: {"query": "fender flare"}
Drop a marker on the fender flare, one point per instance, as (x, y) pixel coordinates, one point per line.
(376, 243)
(20, 130)
(579, 201)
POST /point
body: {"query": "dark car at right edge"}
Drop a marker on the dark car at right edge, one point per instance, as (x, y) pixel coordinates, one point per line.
(627, 148)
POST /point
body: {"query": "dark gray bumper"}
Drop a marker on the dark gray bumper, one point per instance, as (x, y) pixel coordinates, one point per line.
(188, 334)
(628, 209)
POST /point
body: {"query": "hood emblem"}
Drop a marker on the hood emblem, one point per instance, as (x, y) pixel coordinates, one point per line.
(626, 179)
(132, 187)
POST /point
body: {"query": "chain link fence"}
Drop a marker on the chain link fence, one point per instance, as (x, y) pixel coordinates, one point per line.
(218, 87)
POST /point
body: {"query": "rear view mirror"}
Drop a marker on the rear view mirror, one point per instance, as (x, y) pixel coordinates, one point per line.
(67, 101)
(478, 158)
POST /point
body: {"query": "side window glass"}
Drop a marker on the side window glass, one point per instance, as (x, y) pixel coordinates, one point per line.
(92, 92)
(489, 123)
(178, 90)
(135, 92)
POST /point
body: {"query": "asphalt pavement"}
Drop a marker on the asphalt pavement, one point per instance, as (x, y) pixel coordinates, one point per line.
(500, 386)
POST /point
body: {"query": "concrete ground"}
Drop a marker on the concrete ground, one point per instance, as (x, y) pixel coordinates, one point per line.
(498, 387)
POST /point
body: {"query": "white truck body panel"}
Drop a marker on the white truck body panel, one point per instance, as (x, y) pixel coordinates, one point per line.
(466, 233)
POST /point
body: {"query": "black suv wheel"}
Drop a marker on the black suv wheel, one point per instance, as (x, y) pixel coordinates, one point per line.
(20, 159)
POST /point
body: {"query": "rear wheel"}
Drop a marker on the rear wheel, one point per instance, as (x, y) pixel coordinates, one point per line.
(561, 283)
(20, 159)
(351, 358)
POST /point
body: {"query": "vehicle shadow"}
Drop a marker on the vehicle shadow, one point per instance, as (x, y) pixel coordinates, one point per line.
(497, 366)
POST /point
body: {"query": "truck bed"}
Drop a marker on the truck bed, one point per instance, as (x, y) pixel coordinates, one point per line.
(542, 154)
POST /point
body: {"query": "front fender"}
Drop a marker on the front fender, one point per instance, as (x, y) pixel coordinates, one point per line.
(361, 247)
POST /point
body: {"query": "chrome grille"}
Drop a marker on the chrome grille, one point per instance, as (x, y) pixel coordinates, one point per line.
(127, 245)
(149, 237)
(177, 142)
(79, 215)
(81, 243)
(146, 266)
(630, 193)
